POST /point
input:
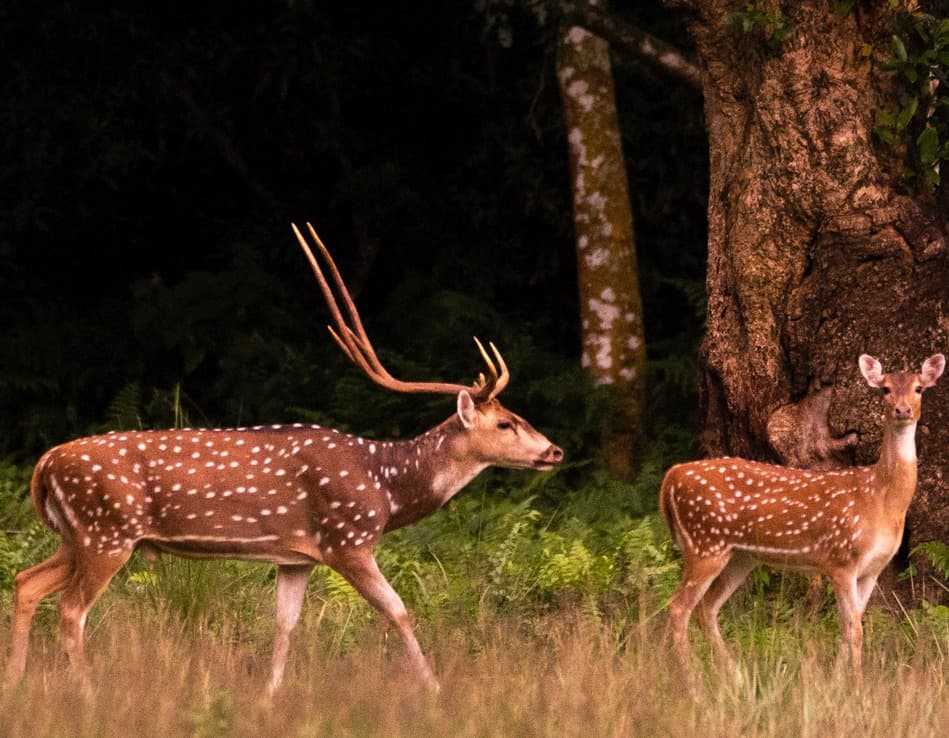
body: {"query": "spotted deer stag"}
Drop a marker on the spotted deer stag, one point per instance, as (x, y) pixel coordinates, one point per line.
(729, 515)
(290, 495)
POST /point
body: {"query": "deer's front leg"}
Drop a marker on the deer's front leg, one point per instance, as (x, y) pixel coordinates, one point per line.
(360, 570)
(848, 605)
(291, 589)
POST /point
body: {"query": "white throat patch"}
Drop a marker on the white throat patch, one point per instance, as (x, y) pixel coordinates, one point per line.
(906, 442)
(451, 479)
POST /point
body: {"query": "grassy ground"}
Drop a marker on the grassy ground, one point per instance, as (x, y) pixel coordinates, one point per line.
(200, 669)
(537, 624)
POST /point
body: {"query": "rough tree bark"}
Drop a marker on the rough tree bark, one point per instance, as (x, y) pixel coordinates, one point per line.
(817, 252)
(614, 347)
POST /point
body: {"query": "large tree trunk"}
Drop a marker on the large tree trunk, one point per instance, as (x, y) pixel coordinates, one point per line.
(614, 347)
(816, 252)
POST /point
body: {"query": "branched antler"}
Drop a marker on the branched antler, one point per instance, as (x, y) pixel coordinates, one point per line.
(353, 340)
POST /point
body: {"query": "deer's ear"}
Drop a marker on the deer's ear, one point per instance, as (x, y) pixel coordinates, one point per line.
(466, 409)
(932, 369)
(871, 370)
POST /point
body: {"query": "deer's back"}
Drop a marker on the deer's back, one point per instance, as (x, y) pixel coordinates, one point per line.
(264, 485)
(779, 515)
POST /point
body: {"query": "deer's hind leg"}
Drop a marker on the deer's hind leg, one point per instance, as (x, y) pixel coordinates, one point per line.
(91, 575)
(724, 586)
(698, 574)
(30, 586)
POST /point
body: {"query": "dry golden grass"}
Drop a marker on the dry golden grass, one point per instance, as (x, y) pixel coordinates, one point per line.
(564, 673)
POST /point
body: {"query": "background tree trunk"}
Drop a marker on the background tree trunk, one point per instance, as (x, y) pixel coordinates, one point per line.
(816, 254)
(614, 346)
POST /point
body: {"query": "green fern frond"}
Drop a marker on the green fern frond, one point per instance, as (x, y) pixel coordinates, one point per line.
(124, 411)
(938, 554)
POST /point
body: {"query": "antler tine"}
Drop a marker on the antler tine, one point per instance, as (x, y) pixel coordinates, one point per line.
(363, 356)
(505, 376)
(343, 345)
(360, 332)
(489, 389)
(352, 337)
(324, 285)
(354, 343)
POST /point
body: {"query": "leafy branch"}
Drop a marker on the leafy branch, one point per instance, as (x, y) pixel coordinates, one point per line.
(775, 28)
(920, 60)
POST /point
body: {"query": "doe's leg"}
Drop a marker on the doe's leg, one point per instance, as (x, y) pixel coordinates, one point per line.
(724, 586)
(851, 627)
(697, 576)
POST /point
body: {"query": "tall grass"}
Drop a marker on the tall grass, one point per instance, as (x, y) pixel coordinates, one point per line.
(174, 668)
(541, 616)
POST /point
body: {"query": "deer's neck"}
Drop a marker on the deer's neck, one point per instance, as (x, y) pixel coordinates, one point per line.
(895, 472)
(422, 474)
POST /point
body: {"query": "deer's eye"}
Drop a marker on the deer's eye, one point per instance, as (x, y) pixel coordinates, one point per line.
(919, 390)
(886, 390)
(505, 425)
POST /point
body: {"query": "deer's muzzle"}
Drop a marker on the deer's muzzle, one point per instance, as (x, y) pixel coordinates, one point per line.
(550, 458)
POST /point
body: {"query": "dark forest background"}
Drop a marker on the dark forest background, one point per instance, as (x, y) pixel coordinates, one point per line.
(153, 157)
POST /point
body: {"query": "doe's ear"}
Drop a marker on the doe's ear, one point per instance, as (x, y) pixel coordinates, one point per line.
(932, 369)
(466, 409)
(871, 370)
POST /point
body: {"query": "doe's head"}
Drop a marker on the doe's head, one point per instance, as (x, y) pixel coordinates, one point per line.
(902, 391)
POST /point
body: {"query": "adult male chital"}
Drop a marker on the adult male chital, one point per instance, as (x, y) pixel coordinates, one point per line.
(291, 495)
(729, 515)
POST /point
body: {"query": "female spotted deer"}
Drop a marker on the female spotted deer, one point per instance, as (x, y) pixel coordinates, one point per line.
(728, 515)
(290, 495)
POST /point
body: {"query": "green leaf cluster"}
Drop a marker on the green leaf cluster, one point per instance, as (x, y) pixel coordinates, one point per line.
(24, 539)
(770, 24)
(920, 59)
(938, 554)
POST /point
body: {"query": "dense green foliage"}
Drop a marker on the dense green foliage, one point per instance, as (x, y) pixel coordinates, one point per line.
(920, 59)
